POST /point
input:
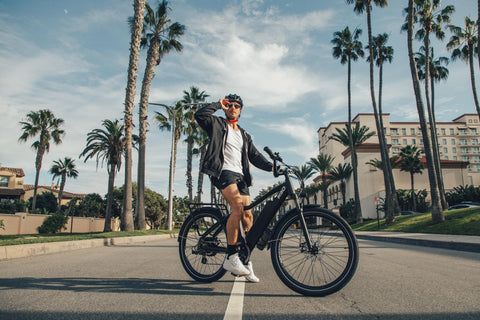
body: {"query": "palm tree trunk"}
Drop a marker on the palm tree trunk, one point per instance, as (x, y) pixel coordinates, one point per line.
(173, 159)
(38, 166)
(189, 169)
(203, 151)
(60, 192)
(437, 214)
(152, 61)
(436, 149)
(358, 207)
(108, 215)
(472, 77)
(412, 184)
(139, 8)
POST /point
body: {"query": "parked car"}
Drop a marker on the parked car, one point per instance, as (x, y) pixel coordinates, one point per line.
(464, 204)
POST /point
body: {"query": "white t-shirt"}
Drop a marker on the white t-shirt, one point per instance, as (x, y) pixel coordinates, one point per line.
(233, 151)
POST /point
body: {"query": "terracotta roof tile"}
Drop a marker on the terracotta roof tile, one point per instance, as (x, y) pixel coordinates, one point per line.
(17, 171)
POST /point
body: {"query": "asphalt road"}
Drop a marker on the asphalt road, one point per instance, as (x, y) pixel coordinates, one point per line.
(147, 281)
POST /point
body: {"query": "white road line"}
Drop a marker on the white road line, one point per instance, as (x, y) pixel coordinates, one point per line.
(235, 303)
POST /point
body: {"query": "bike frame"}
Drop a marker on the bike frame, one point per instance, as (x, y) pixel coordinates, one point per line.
(281, 193)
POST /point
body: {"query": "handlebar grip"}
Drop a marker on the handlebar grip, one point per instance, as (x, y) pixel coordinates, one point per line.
(269, 152)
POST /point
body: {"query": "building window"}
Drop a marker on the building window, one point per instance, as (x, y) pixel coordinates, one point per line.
(405, 141)
(446, 157)
(395, 150)
(474, 142)
(453, 141)
(395, 142)
(444, 132)
(404, 131)
(463, 150)
(476, 149)
(414, 141)
(454, 150)
(4, 181)
(394, 131)
(455, 158)
(445, 150)
(464, 158)
(412, 131)
(444, 141)
(452, 131)
(463, 142)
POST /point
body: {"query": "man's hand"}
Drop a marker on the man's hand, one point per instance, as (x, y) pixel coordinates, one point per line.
(224, 103)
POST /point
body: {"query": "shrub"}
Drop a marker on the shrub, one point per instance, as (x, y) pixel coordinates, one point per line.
(2, 225)
(12, 206)
(53, 224)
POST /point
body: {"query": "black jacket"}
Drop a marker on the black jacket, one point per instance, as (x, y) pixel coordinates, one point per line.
(217, 131)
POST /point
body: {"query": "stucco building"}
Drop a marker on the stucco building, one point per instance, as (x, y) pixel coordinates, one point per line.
(458, 140)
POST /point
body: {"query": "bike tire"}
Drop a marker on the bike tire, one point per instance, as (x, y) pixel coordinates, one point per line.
(328, 267)
(203, 245)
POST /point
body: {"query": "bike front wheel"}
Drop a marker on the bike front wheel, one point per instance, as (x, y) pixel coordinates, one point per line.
(328, 265)
(203, 246)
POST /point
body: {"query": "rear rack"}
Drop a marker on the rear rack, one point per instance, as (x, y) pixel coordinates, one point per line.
(195, 205)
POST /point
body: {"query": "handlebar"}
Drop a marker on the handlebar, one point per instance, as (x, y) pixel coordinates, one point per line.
(278, 170)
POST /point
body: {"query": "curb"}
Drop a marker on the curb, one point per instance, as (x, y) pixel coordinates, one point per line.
(452, 245)
(35, 249)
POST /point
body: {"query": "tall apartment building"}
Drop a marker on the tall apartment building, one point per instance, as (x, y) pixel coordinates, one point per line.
(459, 143)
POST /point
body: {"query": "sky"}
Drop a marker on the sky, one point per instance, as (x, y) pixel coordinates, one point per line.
(72, 57)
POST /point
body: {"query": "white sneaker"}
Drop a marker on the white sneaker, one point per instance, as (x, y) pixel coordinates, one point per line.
(251, 277)
(235, 266)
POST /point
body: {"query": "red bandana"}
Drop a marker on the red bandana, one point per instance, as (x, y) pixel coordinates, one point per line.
(233, 121)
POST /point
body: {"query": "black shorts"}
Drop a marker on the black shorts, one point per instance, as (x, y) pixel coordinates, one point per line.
(229, 177)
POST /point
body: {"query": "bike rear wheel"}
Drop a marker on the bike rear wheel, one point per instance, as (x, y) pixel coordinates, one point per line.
(328, 266)
(203, 246)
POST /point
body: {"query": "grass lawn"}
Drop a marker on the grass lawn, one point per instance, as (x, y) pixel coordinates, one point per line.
(8, 240)
(461, 221)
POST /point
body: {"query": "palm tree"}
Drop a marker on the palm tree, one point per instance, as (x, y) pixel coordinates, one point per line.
(437, 214)
(63, 169)
(410, 162)
(342, 173)
(136, 27)
(173, 121)
(322, 164)
(436, 73)
(192, 97)
(160, 36)
(430, 18)
(383, 53)
(107, 145)
(304, 173)
(462, 44)
(359, 136)
(48, 128)
(347, 48)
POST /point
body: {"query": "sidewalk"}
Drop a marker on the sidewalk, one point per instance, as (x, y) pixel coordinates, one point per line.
(35, 249)
(446, 241)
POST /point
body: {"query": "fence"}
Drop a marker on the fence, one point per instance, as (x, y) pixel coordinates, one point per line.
(25, 223)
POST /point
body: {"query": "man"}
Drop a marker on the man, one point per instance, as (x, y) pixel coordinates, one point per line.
(229, 153)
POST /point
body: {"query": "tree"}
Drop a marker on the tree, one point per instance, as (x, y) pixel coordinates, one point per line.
(107, 145)
(358, 136)
(136, 27)
(410, 162)
(436, 73)
(48, 128)
(304, 173)
(63, 169)
(174, 121)
(462, 44)
(383, 53)
(430, 19)
(342, 173)
(322, 164)
(193, 96)
(437, 214)
(160, 35)
(347, 48)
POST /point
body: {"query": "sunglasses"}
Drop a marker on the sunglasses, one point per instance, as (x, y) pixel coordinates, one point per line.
(236, 105)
